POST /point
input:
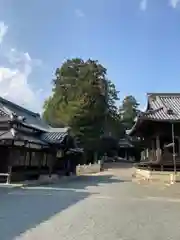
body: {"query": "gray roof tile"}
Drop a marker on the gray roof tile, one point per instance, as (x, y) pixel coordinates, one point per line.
(54, 137)
(160, 107)
(31, 119)
(7, 135)
(163, 107)
(3, 111)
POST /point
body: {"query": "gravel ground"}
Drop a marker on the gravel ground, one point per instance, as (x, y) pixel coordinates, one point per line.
(106, 206)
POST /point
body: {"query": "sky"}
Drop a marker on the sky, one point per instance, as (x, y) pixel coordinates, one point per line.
(138, 41)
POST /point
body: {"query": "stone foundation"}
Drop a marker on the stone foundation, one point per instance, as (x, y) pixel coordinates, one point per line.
(149, 175)
(87, 169)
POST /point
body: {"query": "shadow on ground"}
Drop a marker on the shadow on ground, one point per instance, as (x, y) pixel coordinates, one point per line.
(24, 209)
(82, 182)
(118, 165)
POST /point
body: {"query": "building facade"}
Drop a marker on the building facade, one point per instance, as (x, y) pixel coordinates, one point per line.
(30, 147)
(159, 130)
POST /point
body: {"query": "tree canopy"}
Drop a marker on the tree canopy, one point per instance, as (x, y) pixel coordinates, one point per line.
(128, 111)
(84, 99)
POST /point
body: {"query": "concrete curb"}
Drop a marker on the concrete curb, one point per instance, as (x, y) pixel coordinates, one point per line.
(7, 187)
(62, 179)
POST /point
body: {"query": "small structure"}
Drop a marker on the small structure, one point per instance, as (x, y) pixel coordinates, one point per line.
(159, 129)
(29, 146)
(125, 149)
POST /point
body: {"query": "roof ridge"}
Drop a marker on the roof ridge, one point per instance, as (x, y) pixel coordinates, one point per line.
(3, 100)
(163, 94)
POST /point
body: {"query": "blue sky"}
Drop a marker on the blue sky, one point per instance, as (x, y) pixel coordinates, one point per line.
(138, 41)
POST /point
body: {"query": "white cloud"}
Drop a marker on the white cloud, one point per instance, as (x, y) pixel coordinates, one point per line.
(79, 13)
(143, 5)
(14, 86)
(14, 79)
(174, 3)
(3, 31)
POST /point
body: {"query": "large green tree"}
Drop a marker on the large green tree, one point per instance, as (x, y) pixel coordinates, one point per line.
(128, 111)
(82, 98)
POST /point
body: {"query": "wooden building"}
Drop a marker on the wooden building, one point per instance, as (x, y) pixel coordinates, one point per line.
(126, 148)
(30, 147)
(159, 129)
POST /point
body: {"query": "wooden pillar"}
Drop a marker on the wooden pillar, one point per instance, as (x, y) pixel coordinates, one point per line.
(126, 155)
(147, 153)
(49, 159)
(30, 158)
(158, 149)
(10, 163)
(174, 150)
(40, 159)
(25, 157)
(9, 174)
(153, 155)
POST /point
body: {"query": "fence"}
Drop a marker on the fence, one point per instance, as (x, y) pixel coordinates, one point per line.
(87, 169)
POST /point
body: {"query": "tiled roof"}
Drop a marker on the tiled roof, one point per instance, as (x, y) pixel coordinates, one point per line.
(163, 106)
(160, 107)
(3, 111)
(31, 119)
(7, 135)
(55, 135)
